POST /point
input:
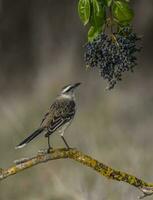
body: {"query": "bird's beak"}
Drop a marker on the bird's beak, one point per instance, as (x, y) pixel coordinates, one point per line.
(76, 85)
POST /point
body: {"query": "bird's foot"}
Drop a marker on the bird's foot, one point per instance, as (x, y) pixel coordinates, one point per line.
(49, 149)
(42, 151)
(45, 151)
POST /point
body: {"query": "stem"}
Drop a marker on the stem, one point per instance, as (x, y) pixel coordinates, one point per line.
(111, 19)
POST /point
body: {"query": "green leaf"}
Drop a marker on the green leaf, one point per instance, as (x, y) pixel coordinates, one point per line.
(93, 33)
(84, 10)
(122, 12)
(98, 14)
(108, 2)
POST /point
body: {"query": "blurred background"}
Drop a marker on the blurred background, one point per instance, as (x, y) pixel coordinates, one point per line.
(41, 50)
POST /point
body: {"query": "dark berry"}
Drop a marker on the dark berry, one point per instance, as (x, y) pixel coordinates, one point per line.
(113, 58)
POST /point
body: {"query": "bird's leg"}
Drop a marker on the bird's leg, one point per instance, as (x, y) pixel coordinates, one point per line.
(68, 147)
(49, 146)
(62, 134)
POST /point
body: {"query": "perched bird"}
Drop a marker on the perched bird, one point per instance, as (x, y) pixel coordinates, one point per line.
(58, 117)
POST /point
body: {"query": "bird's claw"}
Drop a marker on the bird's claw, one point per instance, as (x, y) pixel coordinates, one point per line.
(42, 151)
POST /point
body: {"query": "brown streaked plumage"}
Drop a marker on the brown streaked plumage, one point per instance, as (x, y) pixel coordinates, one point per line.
(58, 117)
(60, 112)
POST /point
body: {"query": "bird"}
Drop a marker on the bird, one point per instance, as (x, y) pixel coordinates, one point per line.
(58, 117)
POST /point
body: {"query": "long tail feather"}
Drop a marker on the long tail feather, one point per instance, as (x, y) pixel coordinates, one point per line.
(29, 138)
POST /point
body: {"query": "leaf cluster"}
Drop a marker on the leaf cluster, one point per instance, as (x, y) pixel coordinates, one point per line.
(97, 13)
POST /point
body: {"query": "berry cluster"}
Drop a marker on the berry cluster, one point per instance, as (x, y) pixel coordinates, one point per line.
(113, 54)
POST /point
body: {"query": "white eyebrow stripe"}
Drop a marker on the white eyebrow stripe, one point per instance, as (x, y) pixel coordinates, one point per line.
(67, 88)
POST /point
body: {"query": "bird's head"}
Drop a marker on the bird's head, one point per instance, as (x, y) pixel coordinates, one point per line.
(68, 90)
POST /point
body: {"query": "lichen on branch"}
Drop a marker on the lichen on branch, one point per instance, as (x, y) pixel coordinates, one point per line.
(80, 157)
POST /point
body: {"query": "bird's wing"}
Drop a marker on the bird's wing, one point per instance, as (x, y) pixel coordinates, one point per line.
(60, 112)
(45, 116)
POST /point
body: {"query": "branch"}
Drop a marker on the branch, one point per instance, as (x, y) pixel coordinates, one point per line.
(78, 156)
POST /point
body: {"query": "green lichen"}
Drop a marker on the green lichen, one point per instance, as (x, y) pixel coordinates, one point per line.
(102, 169)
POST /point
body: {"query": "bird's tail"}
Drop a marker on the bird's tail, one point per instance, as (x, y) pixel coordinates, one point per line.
(29, 138)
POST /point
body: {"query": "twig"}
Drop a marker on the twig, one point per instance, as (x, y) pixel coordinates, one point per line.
(78, 156)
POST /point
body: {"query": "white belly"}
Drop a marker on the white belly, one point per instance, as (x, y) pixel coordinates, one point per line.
(64, 127)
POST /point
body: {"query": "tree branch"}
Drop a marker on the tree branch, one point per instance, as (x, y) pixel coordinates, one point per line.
(78, 156)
